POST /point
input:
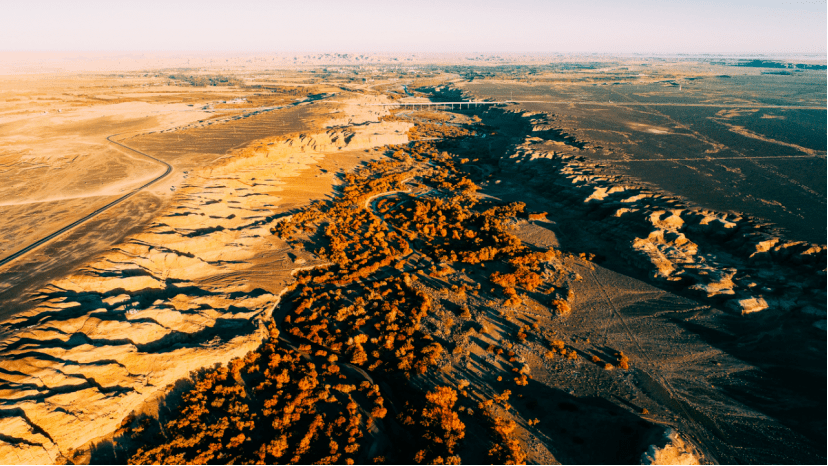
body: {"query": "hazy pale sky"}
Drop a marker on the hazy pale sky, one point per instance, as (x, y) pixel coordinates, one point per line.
(617, 26)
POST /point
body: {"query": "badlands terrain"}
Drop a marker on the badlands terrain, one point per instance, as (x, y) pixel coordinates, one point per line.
(620, 261)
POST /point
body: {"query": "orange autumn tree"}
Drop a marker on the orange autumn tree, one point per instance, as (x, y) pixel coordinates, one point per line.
(272, 406)
(438, 427)
(361, 313)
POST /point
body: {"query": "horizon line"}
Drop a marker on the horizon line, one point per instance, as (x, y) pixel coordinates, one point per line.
(405, 52)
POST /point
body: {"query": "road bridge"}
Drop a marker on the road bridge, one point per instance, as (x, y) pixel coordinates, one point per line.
(468, 104)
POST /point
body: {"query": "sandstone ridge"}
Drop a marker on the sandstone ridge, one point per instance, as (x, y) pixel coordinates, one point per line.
(192, 290)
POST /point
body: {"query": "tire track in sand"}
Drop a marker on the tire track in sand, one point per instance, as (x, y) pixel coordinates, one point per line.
(667, 393)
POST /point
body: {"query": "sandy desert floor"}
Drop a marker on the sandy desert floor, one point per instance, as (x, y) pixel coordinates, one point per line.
(62, 160)
(485, 285)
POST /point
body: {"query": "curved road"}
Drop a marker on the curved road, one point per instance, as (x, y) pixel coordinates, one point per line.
(63, 230)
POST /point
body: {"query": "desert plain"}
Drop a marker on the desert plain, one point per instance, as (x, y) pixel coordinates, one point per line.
(415, 259)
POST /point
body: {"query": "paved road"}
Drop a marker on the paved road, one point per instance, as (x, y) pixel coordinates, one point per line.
(72, 225)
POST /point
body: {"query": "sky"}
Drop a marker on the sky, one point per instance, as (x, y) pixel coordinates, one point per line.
(463, 26)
